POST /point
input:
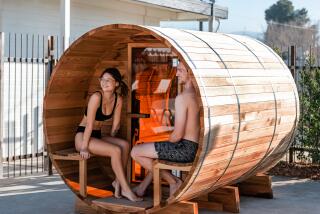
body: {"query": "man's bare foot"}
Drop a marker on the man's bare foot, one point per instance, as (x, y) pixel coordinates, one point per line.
(117, 189)
(138, 191)
(131, 196)
(174, 187)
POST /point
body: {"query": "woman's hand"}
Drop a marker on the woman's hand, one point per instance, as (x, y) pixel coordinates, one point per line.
(84, 153)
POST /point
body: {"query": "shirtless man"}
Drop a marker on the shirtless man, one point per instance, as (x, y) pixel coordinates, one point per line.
(183, 141)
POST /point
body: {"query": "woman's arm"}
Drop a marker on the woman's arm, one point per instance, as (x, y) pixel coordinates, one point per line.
(116, 118)
(93, 105)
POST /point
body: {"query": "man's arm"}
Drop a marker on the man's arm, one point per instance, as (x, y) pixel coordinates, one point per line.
(180, 120)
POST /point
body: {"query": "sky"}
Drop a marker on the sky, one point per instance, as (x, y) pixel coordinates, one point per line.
(248, 15)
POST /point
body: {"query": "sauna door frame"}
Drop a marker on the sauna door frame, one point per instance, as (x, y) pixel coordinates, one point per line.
(129, 101)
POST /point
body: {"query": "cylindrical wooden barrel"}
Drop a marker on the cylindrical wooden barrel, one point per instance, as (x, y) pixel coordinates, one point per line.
(248, 98)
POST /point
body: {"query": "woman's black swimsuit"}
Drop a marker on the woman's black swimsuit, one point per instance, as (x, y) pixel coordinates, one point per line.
(99, 117)
(183, 151)
(99, 114)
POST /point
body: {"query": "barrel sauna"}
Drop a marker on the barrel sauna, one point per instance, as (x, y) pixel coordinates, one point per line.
(248, 98)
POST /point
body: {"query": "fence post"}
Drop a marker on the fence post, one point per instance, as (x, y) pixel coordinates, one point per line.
(1, 97)
(49, 69)
(293, 73)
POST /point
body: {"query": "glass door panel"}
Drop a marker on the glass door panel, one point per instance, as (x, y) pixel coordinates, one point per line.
(154, 88)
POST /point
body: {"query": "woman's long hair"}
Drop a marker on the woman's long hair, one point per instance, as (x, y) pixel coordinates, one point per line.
(114, 72)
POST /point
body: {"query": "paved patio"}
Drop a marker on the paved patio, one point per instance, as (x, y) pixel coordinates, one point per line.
(48, 194)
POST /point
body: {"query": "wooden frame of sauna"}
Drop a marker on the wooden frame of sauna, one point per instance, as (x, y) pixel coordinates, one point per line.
(249, 102)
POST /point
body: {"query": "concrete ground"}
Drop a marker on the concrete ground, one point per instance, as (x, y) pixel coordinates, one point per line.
(48, 194)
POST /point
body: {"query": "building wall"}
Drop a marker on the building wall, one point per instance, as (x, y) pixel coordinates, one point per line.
(43, 16)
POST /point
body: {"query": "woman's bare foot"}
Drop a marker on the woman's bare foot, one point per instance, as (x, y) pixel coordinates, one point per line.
(131, 196)
(117, 189)
(174, 187)
(138, 191)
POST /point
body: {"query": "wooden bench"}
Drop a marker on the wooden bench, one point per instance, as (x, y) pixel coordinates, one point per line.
(73, 155)
(157, 166)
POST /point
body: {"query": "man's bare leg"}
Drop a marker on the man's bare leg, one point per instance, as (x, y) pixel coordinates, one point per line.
(144, 154)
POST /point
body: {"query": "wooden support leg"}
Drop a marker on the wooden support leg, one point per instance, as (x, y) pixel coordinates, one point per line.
(156, 186)
(229, 198)
(182, 207)
(257, 186)
(83, 177)
(203, 202)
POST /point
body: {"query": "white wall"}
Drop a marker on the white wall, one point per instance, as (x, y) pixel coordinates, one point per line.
(43, 16)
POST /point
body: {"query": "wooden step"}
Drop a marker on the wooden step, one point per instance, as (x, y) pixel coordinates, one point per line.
(123, 204)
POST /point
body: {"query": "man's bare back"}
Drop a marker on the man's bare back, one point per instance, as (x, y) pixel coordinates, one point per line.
(187, 102)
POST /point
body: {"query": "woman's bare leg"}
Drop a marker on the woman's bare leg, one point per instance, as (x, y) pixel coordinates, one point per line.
(124, 145)
(144, 154)
(102, 148)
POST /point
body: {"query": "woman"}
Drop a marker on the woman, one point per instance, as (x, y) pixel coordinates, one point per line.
(104, 105)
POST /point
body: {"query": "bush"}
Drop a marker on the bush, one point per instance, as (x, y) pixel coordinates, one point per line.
(309, 126)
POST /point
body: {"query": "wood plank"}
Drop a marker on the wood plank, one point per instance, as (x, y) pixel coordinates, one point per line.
(228, 196)
(209, 205)
(181, 207)
(207, 180)
(219, 149)
(83, 177)
(62, 112)
(66, 84)
(258, 186)
(72, 120)
(211, 176)
(240, 155)
(157, 194)
(66, 100)
(223, 81)
(63, 138)
(123, 204)
(204, 64)
(60, 130)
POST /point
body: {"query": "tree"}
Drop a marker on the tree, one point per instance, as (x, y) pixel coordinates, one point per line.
(287, 26)
(283, 12)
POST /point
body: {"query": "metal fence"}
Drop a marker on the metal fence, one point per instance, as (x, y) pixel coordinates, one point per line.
(26, 63)
(296, 58)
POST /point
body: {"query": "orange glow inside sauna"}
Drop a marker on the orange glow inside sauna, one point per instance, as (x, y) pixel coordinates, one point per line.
(92, 191)
(154, 88)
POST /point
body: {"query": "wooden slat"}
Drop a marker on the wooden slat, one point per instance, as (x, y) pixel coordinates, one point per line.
(123, 205)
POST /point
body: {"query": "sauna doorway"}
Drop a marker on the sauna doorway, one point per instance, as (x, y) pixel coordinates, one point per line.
(154, 86)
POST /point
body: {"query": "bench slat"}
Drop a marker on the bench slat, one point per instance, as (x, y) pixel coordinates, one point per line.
(172, 165)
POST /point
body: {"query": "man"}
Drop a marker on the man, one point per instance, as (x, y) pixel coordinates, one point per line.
(183, 141)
